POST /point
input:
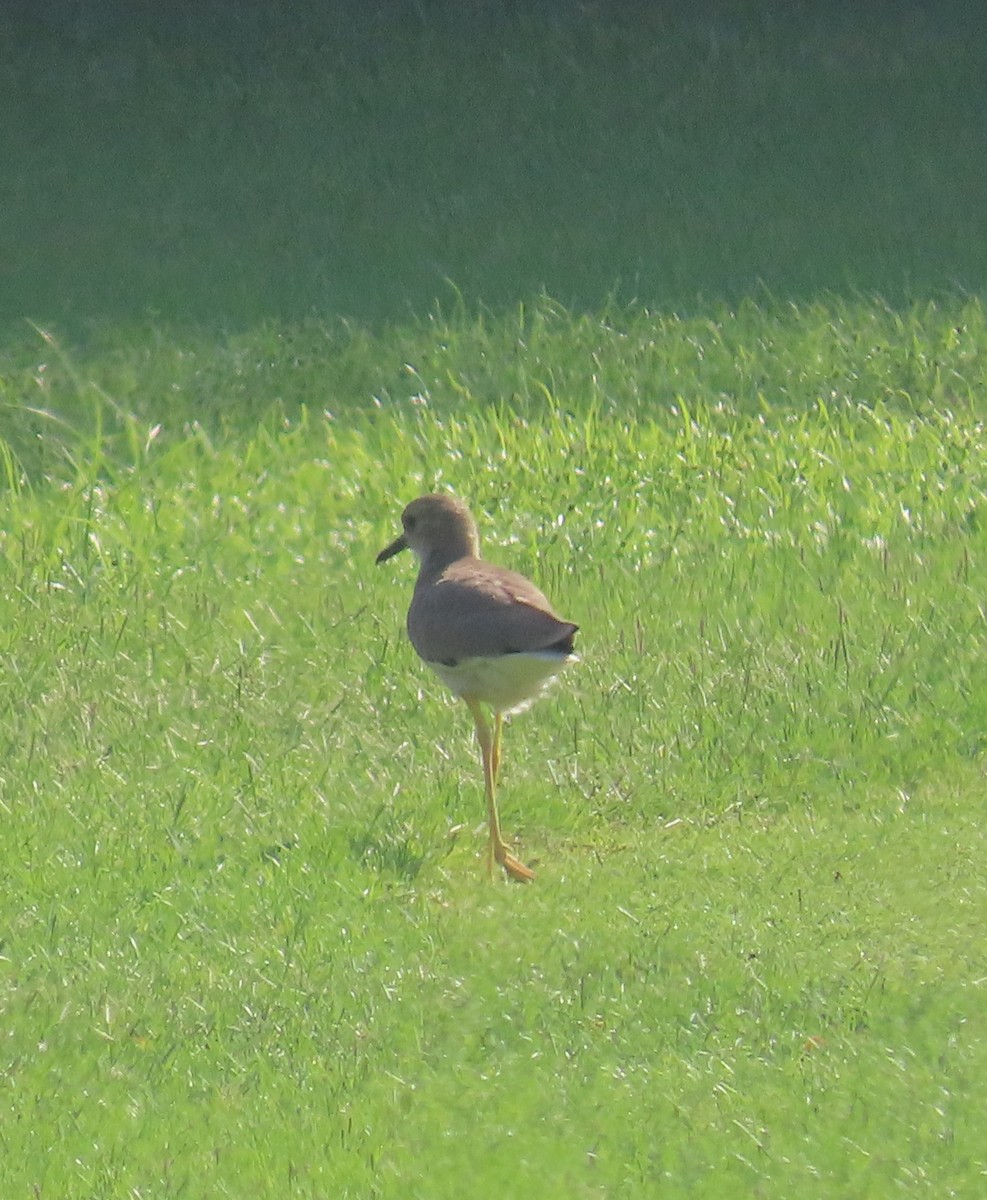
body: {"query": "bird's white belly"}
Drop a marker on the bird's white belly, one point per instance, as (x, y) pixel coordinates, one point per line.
(509, 682)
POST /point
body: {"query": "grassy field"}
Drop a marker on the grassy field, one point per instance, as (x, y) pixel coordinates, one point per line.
(247, 945)
(218, 164)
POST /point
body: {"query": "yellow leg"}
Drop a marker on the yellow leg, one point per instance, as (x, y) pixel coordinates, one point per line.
(489, 740)
(495, 747)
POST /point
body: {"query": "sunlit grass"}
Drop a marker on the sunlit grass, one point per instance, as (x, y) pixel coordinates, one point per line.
(247, 943)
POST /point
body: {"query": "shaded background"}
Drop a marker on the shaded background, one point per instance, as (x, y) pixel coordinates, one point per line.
(219, 163)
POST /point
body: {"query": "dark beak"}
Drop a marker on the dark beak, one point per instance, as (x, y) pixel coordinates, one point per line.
(395, 547)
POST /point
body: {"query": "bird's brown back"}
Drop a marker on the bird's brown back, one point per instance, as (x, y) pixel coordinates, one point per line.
(474, 609)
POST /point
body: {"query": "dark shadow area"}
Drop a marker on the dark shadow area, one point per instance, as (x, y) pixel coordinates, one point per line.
(217, 164)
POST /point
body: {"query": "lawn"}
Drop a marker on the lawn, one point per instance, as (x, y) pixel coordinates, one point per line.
(218, 164)
(249, 946)
(247, 943)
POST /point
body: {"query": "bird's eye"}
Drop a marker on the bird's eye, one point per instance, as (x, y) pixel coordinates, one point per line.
(409, 523)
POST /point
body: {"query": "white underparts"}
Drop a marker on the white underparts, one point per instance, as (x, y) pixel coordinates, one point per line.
(508, 683)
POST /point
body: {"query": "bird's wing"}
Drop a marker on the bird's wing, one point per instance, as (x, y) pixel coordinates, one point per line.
(474, 609)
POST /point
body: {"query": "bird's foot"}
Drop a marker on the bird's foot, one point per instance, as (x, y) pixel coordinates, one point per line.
(513, 866)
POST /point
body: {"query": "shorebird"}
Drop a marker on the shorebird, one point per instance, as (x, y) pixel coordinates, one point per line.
(488, 633)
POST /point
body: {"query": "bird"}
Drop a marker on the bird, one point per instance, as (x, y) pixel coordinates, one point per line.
(489, 634)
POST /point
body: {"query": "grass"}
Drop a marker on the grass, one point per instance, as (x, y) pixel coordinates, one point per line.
(247, 946)
(351, 158)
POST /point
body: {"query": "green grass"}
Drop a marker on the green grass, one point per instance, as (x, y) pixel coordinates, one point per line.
(246, 944)
(247, 948)
(243, 161)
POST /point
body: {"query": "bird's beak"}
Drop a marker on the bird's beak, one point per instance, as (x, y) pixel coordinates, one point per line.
(399, 544)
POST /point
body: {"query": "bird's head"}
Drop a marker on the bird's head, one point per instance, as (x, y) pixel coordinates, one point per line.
(439, 529)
